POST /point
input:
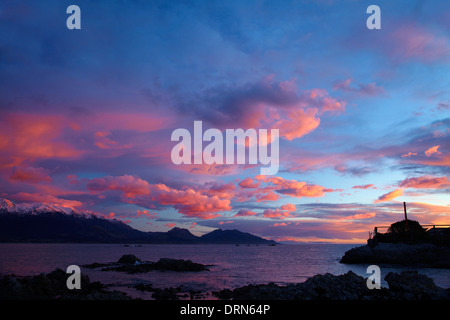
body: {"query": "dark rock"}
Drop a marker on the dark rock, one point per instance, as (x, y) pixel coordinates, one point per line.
(131, 264)
(225, 294)
(53, 286)
(424, 254)
(410, 285)
(178, 265)
(128, 259)
(144, 287)
(166, 294)
(349, 286)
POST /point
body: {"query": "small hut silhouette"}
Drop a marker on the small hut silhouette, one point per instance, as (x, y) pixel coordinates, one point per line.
(410, 231)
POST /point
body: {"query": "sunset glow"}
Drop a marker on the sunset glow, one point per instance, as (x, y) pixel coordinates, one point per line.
(86, 116)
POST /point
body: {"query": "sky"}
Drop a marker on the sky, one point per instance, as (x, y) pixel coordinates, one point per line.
(86, 115)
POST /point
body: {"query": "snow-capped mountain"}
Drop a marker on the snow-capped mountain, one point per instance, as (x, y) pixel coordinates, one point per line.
(40, 208)
(44, 222)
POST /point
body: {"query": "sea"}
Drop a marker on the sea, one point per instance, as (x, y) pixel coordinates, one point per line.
(230, 266)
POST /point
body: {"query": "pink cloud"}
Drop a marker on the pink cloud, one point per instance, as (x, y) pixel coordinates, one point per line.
(187, 201)
(269, 196)
(170, 225)
(30, 175)
(289, 207)
(245, 213)
(249, 183)
(226, 222)
(277, 213)
(45, 197)
(146, 213)
(27, 137)
(366, 186)
(426, 182)
(370, 89)
(411, 41)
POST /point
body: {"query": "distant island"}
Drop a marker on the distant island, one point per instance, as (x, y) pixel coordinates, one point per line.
(48, 223)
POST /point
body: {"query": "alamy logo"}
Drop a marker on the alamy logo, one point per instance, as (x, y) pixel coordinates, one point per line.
(374, 280)
(256, 142)
(74, 280)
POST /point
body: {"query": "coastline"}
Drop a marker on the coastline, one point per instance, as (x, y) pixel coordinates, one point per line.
(406, 285)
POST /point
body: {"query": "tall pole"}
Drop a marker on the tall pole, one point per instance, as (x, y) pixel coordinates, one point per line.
(406, 216)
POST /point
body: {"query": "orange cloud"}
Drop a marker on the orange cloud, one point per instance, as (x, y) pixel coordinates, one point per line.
(443, 161)
(409, 154)
(359, 216)
(170, 225)
(390, 196)
(289, 207)
(432, 150)
(282, 224)
(426, 182)
(298, 123)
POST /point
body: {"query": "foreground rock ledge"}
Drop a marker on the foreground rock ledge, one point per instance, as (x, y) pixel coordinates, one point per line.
(424, 254)
(408, 285)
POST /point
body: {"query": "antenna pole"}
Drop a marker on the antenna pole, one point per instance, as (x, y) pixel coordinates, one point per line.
(406, 215)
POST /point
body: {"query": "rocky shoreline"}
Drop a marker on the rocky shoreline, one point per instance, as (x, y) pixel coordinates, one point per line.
(407, 285)
(419, 255)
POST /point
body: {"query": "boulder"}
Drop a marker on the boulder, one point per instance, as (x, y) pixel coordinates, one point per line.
(410, 285)
(178, 265)
(128, 259)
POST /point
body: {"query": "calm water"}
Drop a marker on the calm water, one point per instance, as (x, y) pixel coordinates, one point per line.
(231, 266)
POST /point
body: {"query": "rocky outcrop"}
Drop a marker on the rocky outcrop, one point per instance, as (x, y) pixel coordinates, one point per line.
(424, 254)
(349, 286)
(53, 286)
(131, 264)
(410, 285)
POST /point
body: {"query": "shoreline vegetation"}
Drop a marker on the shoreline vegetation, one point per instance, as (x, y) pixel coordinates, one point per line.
(407, 285)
